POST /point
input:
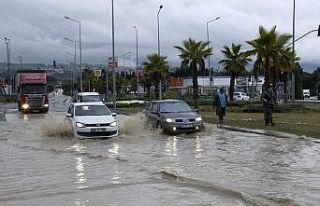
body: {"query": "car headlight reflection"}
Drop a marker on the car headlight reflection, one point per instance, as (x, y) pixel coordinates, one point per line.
(80, 125)
(169, 120)
(113, 124)
(198, 119)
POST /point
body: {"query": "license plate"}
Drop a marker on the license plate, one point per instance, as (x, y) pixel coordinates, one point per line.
(98, 130)
(186, 125)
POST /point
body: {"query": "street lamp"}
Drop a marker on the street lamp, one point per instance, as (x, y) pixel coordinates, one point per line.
(208, 40)
(293, 49)
(7, 42)
(20, 58)
(160, 7)
(113, 60)
(137, 57)
(124, 56)
(71, 73)
(80, 49)
(75, 61)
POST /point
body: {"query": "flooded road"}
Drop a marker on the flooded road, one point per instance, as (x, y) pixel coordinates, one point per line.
(41, 164)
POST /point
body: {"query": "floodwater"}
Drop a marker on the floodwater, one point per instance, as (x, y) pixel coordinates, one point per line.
(42, 164)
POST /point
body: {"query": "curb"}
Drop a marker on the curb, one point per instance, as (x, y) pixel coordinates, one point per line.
(263, 132)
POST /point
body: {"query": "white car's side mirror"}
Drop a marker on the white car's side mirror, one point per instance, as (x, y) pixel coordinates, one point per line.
(68, 115)
(114, 114)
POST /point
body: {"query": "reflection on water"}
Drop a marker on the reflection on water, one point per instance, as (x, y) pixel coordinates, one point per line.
(81, 177)
(171, 146)
(198, 148)
(80, 202)
(114, 150)
(116, 177)
(78, 147)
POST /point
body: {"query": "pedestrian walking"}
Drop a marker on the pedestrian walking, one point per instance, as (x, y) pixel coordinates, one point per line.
(221, 102)
(268, 98)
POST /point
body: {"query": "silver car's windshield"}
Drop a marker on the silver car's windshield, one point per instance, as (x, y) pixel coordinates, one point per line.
(174, 107)
(91, 110)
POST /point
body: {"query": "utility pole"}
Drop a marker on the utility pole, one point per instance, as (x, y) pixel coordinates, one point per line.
(7, 42)
(293, 88)
(113, 61)
(160, 92)
(20, 58)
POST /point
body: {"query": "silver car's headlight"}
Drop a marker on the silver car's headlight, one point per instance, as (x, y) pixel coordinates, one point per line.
(198, 119)
(80, 125)
(169, 120)
(113, 124)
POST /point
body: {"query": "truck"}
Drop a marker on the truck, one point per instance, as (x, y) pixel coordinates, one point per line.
(32, 91)
(306, 93)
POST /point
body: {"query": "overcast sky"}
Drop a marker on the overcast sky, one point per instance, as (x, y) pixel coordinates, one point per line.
(37, 27)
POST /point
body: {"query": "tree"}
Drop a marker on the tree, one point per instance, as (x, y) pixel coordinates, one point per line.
(267, 48)
(156, 68)
(234, 63)
(192, 54)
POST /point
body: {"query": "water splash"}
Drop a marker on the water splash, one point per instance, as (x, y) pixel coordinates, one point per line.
(54, 127)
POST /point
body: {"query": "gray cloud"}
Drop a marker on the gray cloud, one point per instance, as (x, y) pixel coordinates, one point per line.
(37, 27)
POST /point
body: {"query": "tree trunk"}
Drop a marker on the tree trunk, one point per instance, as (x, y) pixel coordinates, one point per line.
(266, 72)
(195, 84)
(231, 88)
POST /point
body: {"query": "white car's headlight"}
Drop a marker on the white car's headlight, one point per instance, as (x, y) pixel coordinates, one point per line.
(169, 120)
(198, 119)
(80, 125)
(113, 124)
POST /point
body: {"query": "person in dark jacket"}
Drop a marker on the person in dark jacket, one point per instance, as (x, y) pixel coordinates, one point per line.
(269, 100)
(221, 102)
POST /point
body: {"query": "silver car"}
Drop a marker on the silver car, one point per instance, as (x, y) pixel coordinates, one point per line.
(92, 120)
(173, 116)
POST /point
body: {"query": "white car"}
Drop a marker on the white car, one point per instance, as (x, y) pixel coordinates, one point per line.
(240, 96)
(89, 97)
(92, 120)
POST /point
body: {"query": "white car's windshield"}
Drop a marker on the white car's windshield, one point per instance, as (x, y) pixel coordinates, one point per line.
(90, 98)
(91, 110)
(174, 107)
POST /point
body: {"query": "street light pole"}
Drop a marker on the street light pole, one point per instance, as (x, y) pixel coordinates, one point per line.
(7, 42)
(75, 63)
(137, 57)
(113, 60)
(20, 58)
(160, 7)
(208, 40)
(80, 49)
(293, 49)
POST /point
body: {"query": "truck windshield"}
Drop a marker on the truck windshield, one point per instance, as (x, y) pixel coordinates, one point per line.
(34, 89)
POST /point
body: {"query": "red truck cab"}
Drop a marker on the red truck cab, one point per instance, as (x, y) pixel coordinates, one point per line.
(32, 91)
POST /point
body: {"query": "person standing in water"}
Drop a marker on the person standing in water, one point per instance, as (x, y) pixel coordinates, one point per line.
(221, 102)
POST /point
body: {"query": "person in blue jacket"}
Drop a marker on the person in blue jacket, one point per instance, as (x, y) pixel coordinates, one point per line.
(221, 102)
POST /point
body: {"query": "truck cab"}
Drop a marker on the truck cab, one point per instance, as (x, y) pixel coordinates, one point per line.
(32, 91)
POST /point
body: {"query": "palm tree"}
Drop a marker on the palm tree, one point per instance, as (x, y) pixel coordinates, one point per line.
(267, 48)
(156, 67)
(192, 54)
(234, 63)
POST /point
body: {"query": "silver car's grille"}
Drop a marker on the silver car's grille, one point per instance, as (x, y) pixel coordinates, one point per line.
(192, 120)
(179, 120)
(97, 125)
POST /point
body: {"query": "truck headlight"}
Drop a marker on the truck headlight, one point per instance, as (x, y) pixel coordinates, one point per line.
(169, 120)
(25, 106)
(198, 119)
(46, 105)
(113, 124)
(80, 125)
